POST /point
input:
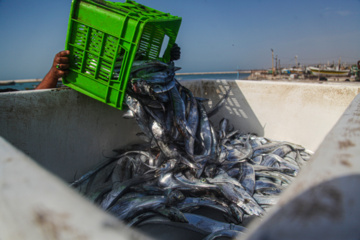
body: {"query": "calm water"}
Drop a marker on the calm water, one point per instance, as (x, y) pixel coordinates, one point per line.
(21, 86)
(32, 85)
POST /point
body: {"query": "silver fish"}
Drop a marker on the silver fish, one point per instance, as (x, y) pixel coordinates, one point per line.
(209, 225)
(240, 197)
(192, 121)
(131, 207)
(266, 200)
(140, 115)
(247, 177)
(163, 88)
(226, 233)
(186, 163)
(205, 131)
(91, 173)
(192, 203)
(267, 148)
(194, 183)
(179, 113)
(120, 188)
(275, 175)
(263, 184)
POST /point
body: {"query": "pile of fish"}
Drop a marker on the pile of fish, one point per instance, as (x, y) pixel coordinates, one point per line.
(186, 164)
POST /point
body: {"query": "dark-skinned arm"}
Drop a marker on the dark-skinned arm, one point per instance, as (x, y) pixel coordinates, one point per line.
(52, 77)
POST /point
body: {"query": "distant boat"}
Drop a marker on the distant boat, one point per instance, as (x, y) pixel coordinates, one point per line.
(328, 72)
(292, 71)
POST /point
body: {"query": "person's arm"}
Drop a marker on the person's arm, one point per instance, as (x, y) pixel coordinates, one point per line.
(59, 69)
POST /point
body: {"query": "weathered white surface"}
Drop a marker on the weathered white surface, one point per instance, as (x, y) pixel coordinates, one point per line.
(67, 133)
(35, 205)
(302, 113)
(64, 131)
(324, 200)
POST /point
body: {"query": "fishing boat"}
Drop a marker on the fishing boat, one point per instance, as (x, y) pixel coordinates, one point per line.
(328, 72)
(292, 71)
(49, 136)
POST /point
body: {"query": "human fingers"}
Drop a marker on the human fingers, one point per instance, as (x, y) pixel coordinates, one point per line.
(64, 60)
(64, 53)
(62, 66)
(62, 73)
(61, 60)
(61, 54)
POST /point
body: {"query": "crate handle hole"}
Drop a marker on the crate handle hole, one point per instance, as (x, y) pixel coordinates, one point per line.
(164, 46)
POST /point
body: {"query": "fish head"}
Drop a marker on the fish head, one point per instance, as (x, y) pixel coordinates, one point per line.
(131, 101)
(167, 166)
(210, 170)
(175, 196)
(204, 180)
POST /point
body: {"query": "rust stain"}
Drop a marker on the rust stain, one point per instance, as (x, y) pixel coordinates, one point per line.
(346, 144)
(54, 225)
(346, 163)
(343, 159)
(48, 226)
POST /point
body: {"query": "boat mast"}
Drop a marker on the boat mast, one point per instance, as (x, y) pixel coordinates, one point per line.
(272, 53)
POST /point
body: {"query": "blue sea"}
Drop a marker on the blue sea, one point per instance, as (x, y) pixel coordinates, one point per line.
(229, 76)
(21, 86)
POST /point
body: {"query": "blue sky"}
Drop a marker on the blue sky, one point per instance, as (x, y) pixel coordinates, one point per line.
(215, 35)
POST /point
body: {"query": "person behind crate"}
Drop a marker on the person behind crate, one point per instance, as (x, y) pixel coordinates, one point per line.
(60, 67)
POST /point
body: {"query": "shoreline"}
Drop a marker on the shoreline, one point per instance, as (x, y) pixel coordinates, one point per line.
(204, 73)
(10, 82)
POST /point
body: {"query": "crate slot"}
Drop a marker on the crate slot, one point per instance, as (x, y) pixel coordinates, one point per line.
(95, 41)
(91, 64)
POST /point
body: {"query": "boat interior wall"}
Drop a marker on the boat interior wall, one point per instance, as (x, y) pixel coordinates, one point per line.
(35, 204)
(63, 129)
(323, 201)
(302, 113)
(67, 133)
(236, 107)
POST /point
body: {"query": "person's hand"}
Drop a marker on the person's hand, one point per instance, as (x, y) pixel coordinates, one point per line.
(175, 52)
(58, 69)
(60, 64)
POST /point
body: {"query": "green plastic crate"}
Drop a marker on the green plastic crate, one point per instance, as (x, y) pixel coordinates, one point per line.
(104, 35)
